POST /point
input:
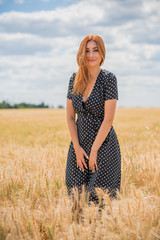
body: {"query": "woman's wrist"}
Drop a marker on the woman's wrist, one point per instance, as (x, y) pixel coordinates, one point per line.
(76, 146)
(94, 149)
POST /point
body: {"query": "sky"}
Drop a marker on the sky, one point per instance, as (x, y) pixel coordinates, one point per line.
(39, 40)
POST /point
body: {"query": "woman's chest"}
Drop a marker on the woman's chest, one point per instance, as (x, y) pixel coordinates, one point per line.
(94, 103)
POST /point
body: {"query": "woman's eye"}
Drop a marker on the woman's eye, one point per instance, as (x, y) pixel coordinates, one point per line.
(93, 51)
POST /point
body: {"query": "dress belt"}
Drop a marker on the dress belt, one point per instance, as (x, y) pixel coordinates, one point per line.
(92, 118)
(86, 114)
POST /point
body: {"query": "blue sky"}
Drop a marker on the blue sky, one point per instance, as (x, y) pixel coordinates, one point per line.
(39, 41)
(32, 5)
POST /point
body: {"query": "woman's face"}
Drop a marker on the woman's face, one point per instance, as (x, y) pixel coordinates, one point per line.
(93, 55)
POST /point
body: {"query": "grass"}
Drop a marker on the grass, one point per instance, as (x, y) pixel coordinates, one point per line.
(33, 197)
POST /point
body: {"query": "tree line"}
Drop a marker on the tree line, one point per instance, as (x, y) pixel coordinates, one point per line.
(5, 104)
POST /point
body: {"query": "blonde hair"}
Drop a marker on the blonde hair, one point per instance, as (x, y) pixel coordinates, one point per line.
(83, 76)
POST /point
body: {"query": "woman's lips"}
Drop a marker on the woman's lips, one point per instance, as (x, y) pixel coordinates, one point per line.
(92, 60)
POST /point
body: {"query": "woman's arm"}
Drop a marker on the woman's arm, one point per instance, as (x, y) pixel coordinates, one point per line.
(109, 112)
(71, 123)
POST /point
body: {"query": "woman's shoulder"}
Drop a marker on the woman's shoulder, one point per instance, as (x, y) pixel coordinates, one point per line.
(73, 74)
(108, 74)
(72, 78)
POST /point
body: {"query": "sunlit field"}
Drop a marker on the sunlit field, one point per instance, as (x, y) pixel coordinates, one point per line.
(33, 197)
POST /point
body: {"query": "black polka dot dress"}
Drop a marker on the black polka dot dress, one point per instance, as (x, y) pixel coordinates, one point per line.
(90, 115)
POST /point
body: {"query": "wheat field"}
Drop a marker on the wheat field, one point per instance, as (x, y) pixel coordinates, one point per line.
(33, 196)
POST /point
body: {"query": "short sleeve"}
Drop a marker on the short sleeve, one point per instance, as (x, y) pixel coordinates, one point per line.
(110, 87)
(70, 86)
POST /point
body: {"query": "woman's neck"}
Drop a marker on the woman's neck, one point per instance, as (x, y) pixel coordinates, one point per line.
(95, 72)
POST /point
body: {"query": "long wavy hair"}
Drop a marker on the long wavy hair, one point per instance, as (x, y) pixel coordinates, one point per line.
(83, 76)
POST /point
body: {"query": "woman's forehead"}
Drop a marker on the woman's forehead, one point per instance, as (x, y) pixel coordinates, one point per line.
(91, 43)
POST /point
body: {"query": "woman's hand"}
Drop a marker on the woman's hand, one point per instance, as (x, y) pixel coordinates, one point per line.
(93, 160)
(80, 153)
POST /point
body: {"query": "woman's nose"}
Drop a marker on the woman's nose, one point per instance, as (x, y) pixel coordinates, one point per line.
(90, 54)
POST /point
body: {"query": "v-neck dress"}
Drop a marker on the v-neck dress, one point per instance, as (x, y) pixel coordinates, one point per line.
(90, 115)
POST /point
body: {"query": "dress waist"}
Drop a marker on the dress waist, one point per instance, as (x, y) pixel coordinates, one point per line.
(85, 119)
(90, 115)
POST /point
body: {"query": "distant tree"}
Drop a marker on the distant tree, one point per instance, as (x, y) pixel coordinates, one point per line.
(60, 106)
(4, 105)
(42, 105)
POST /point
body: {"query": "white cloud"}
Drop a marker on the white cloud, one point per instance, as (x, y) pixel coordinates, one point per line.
(38, 49)
(60, 22)
(29, 44)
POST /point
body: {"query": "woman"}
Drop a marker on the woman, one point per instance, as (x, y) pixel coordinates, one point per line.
(94, 156)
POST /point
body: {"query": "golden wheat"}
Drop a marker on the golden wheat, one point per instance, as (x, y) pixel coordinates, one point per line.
(33, 197)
